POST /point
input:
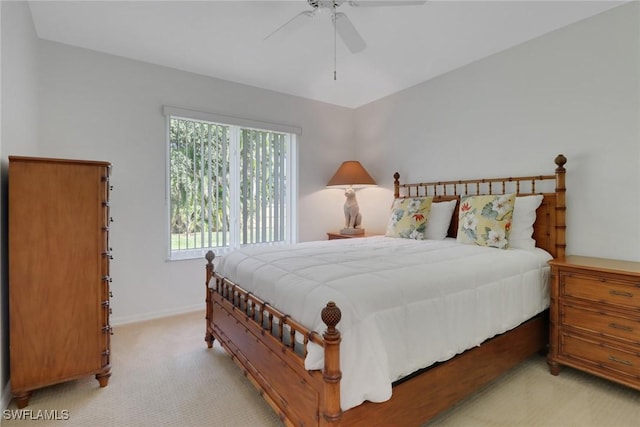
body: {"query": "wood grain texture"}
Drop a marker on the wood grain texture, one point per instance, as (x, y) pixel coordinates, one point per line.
(595, 318)
(550, 226)
(59, 311)
(277, 370)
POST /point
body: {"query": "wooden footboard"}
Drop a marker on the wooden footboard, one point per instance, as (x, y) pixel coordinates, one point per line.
(270, 348)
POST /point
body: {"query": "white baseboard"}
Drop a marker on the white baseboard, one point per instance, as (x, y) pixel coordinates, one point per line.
(6, 395)
(123, 320)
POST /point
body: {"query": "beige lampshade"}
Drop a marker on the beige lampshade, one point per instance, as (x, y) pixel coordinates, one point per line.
(351, 174)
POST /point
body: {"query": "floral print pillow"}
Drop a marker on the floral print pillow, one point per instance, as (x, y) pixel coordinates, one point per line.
(409, 217)
(486, 220)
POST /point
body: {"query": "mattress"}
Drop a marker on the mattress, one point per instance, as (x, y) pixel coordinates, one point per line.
(406, 304)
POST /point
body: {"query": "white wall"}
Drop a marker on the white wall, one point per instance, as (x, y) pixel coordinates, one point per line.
(19, 124)
(575, 91)
(102, 107)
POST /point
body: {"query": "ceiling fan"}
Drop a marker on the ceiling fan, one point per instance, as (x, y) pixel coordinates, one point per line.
(342, 24)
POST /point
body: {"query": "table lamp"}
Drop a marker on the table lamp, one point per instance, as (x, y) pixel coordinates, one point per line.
(350, 176)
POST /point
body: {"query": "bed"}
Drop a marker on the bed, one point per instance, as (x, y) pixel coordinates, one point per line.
(295, 350)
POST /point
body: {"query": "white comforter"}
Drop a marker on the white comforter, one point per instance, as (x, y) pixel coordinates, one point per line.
(406, 304)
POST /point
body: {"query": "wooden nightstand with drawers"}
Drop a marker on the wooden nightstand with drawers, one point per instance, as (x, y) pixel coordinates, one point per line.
(335, 235)
(595, 318)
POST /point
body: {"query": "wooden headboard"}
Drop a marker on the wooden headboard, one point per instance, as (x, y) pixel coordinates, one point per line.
(549, 230)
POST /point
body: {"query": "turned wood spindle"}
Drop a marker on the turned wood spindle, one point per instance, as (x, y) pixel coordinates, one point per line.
(331, 375)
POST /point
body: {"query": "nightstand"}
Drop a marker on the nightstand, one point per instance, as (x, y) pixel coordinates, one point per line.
(334, 235)
(595, 318)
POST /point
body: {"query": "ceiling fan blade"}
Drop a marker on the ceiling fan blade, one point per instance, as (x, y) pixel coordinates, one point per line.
(294, 22)
(348, 33)
(365, 3)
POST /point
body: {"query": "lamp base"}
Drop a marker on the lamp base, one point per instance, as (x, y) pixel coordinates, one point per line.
(352, 231)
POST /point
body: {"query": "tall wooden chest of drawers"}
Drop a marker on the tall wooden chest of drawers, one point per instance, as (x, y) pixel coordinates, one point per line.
(58, 272)
(595, 318)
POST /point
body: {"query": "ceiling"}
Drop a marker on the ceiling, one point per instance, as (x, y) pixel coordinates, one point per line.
(225, 39)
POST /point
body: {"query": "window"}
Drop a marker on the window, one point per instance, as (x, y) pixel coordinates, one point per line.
(231, 182)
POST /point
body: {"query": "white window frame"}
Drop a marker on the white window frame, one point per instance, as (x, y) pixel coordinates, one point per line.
(236, 125)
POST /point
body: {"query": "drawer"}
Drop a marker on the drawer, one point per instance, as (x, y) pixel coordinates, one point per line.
(601, 289)
(612, 325)
(601, 355)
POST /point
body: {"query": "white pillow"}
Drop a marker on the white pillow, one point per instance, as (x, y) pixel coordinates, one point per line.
(439, 220)
(524, 215)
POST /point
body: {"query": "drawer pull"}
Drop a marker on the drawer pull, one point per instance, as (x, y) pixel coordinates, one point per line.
(621, 294)
(620, 327)
(624, 362)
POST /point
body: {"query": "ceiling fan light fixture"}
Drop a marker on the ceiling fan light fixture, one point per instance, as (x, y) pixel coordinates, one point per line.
(324, 11)
(341, 23)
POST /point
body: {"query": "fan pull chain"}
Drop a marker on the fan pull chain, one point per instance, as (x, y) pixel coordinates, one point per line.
(334, 45)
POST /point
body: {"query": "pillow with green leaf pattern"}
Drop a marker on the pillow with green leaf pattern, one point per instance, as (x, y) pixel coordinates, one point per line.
(486, 220)
(409, 217)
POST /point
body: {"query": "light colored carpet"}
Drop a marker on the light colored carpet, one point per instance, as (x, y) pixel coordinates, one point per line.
(164, 375)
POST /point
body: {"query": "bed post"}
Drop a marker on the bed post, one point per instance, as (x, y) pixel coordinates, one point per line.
(561, 207)
(396, 185)
(208, 336)
(331, 374)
